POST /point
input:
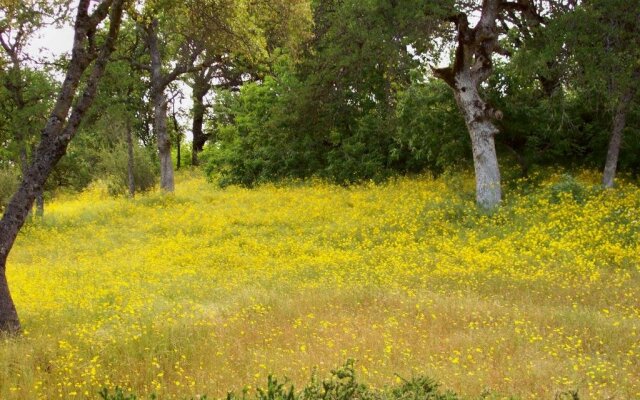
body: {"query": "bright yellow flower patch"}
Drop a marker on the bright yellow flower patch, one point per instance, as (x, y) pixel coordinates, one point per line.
(209, 290)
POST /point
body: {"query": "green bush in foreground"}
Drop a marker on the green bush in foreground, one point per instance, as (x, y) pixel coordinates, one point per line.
(342, 385)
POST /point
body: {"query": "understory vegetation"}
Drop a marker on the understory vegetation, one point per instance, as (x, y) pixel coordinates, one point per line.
(210, 289)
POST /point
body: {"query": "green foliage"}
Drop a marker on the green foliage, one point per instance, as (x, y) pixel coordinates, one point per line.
(118, 394)
(74, 171)
(342, 385)
(430, 134)
(330, 115)
(256, 142)
(568, 395)
(112, 167)
(568, 186)
(8, 185)
(421, 388)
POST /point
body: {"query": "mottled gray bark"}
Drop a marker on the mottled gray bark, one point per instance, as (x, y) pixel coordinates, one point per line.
(164, 143)
(158, 84)
(472, 66)
(60, 128)
(482, 132)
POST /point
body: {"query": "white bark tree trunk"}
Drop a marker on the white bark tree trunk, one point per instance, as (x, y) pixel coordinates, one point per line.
(482, 132)
(473, 65)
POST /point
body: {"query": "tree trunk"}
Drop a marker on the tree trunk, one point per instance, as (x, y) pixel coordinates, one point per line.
(200, 89)
(482, 132)
(9, 322)
(178, 160)
(619, 122)
(158, 84)
(176, 126)
(130, 162)
(56, 135)
(164, 142)
(473, 65)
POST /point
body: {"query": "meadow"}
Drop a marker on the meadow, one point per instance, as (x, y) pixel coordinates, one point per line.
(210, 290)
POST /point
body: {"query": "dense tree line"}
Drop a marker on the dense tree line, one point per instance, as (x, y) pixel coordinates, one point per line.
(342, 89)
(552, 82)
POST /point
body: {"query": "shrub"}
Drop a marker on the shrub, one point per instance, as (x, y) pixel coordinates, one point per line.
(112, 167)
(342, 385)
(568, 186)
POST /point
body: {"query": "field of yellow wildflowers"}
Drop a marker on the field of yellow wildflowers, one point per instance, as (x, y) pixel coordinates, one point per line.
(209, 290)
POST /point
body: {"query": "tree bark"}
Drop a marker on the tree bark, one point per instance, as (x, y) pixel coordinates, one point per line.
(615, 143)
(200, 90)
(482, 132)
(472, 66)
(164, 143)
(9, 322)
(158, 84)
(60, 128)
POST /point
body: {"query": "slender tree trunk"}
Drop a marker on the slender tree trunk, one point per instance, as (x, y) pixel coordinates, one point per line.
(176, 126)
(160, 110)
(164, 142)
(56, 135)
(200, 89)
(178, 160)
(619, 122)
(130, 162)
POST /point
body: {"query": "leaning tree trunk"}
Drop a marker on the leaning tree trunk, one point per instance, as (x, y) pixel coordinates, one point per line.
(619, 122)
(56, 135)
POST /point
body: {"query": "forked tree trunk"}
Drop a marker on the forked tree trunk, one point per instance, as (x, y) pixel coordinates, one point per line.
(61, 126)
(615, 143)
(472, 66)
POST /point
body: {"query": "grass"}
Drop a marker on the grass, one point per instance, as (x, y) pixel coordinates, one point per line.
(211, 290)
